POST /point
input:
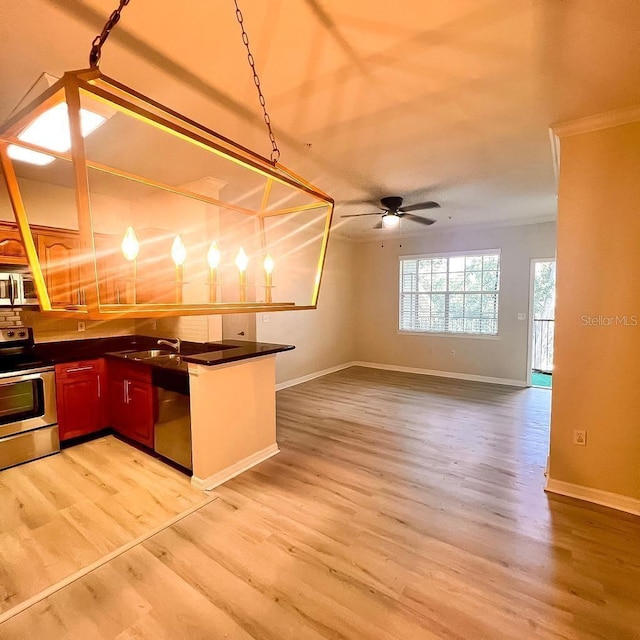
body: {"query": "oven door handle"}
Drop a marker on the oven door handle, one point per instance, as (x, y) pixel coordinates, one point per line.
(33, 374)
(12, 296)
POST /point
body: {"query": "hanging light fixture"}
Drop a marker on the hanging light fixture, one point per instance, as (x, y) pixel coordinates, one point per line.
(390, 221)
(213, 258)
(268, 265)
(79, 137)
(130, 248)
(242, 262)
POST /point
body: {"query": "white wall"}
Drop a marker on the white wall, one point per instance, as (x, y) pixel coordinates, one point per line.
(323, 337)
(376, 296)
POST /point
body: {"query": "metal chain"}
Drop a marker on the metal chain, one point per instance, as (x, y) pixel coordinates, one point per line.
(98, 41)
(275, 151)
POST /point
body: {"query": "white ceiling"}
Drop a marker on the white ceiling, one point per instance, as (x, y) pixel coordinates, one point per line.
(447, 100)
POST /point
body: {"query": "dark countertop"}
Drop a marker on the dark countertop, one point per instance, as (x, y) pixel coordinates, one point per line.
(236, 350)
(167, 373)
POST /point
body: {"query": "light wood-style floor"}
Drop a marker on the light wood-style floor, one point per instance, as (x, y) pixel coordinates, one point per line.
(402, 507)
(62, 513)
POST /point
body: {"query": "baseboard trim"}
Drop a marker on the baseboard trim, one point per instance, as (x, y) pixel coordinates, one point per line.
(392, 367)
(215, 480)
(596, 496)
(311, 376)
(442, 374)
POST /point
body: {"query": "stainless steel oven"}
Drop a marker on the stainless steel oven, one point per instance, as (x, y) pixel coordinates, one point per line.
(28, 416)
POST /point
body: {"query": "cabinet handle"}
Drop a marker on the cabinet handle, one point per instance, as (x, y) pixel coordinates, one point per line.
(124, 391)
(74, 369)
(127, 397)
(99, 388)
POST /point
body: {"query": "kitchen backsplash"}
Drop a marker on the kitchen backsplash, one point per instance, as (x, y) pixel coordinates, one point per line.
(9, 318)
(46, 329)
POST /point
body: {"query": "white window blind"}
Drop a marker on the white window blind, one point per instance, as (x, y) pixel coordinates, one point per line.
(450, 293)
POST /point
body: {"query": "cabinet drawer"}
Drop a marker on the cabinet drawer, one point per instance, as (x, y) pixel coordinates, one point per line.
(129, 370)
(77, 367)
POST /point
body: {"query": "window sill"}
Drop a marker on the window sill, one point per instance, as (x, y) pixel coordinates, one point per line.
(433, 334)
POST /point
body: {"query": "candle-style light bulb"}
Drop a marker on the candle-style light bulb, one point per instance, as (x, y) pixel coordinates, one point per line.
(179, 255)
(130, 245)
(268, 277)
(268, 265)
(213, 258)
(178, 251)
(213, 255)
(242, 262)
(130, 248)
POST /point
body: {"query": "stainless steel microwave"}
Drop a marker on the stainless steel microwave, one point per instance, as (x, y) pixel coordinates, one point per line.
(17, 289)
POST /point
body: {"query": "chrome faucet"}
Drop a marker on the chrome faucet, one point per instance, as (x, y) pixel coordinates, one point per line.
(173, 342)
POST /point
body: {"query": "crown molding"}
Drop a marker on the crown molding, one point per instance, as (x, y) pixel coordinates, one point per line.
(596, 122)
(462, 227)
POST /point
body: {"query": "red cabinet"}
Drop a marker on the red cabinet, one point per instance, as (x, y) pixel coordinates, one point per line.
(132, 401)
(79, 395)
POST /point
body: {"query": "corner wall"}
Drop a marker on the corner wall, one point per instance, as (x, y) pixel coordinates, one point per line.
(323, 337)
(597, 359)
(376, 297)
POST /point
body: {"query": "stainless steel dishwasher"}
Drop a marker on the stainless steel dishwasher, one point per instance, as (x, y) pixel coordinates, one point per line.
(172, 437)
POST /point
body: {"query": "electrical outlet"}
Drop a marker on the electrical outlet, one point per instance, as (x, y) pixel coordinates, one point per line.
(580, 437)
(453, 353)
(522, 316)
(154, 325)
(265, 317)
(81, 326)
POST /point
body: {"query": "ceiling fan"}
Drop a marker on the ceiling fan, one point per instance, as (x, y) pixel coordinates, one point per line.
(392, 211)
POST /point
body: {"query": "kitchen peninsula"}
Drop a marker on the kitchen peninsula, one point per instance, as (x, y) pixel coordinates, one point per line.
(230, 386)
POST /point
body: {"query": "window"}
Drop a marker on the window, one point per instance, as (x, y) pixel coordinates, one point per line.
(450, 293)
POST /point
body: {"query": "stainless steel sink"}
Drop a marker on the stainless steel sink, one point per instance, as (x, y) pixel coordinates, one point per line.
(171, 360)
(148, 354)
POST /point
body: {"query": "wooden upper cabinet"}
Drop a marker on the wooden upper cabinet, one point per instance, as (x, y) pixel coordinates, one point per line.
(58, 258)
(112, 269)
(11, 247)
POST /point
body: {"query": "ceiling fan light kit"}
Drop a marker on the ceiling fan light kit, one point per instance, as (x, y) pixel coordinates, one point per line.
(120, 166)
(392, 212)
(390, 221)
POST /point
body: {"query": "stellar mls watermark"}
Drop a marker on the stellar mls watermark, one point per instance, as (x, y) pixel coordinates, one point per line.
(609, 321)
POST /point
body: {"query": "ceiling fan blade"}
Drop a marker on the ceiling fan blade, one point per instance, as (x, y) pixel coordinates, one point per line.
(356, 215)
(420, 206)
(378, 226)
(425, 221)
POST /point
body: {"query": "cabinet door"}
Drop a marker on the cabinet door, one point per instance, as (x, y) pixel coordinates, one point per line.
(11, 247)
(141, 405)
(79, 404)
(114, 272)
(118, 413)
(58, 258)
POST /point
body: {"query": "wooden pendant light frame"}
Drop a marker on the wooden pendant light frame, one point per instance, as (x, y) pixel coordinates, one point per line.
(70, 89)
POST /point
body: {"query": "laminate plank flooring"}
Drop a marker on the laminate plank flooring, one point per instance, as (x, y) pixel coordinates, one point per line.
(63, 513)
(401, 507)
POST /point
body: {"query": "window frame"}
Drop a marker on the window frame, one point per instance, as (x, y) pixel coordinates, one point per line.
(447, 255)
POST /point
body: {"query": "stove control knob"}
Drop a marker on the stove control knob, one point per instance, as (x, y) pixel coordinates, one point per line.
(10, 334)
(22, 334)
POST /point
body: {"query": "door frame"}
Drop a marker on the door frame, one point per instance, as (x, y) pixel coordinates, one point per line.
(532, 282)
